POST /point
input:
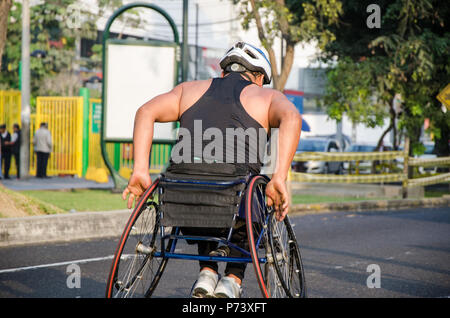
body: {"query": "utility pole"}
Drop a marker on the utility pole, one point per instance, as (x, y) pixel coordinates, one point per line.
(25, 91)
(196, 41)
(185, 60)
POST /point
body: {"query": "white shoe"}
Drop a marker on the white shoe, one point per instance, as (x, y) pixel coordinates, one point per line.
(205, 284)
(227, 288)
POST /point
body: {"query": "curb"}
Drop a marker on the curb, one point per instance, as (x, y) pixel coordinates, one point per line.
(62, 227)
(372, 205)
(90, 225)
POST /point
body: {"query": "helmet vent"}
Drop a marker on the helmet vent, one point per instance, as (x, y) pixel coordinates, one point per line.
(250, 54)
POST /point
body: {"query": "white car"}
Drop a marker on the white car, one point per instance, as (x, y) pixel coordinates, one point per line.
(428, 154)
(363, 166)
(317, 144)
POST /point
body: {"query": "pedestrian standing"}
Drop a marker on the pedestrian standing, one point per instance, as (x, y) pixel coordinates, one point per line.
(5, 137)
(1, 175)
(42, 142)
(15, 147)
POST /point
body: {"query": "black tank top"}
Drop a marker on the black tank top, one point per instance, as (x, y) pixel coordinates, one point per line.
(219, 130)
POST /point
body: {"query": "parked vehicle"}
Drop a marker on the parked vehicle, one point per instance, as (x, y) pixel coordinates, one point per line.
(344, 143)
(317, 144)
(364, 166)
(361, 165)
(428, 154)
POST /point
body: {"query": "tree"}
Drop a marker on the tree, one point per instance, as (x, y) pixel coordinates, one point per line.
(52, 42)
(55, 28)
(291, 21)
(418, 56)
(350, 91)
(407, 56)
(5, 6)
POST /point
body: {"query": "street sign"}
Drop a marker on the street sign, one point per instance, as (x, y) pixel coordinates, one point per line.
(444, 96)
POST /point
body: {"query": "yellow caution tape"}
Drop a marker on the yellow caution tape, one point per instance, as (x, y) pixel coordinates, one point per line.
(324, 178)
(428, 162)
(440, 178)
(348, 156)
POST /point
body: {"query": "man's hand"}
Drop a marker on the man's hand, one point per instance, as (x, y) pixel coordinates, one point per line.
(277, 196)
(138, 183)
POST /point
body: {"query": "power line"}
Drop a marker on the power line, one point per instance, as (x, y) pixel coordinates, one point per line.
(193, 24)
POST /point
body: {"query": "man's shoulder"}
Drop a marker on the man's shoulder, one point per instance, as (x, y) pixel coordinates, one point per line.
(265, 92)
(192, 90)
(196, 84)
(40, 132)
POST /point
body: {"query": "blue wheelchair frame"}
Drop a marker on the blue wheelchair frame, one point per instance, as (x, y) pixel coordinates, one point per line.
(176, 235)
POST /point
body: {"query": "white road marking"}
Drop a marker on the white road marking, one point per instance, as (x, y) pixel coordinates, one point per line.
(80, 261)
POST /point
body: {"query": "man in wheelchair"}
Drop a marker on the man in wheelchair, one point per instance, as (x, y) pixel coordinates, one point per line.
(224, 126)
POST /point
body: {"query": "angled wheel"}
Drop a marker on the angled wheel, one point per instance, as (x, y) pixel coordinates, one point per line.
(257, 215)
(273, 246)
(135, 272)
(285, 256)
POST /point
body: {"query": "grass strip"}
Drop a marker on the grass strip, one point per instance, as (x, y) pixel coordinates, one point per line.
(17, 204)
(81, 200)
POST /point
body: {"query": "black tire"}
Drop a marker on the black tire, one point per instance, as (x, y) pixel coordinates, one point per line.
(286, 257)
(134, 271)
(259, 217)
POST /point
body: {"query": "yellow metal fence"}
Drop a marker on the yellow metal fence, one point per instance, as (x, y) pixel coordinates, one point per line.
(64, 116)
(10, 113)
(10, 108)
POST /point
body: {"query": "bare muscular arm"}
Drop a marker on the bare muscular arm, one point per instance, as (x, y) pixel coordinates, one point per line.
(284, 116)
(162, 108)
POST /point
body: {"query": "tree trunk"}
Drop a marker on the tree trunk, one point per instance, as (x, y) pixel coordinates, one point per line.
(379, 144)
(380, 141)
(5, 6)
(279, 78)
(393, 117)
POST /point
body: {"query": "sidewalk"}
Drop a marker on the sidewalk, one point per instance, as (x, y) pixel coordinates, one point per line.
(54, 183)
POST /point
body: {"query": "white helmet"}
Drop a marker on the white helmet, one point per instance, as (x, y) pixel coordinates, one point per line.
(252, 58)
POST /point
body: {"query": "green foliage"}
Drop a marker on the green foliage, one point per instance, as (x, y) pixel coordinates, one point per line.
(48, 33)
(296, 20)
(293, 21)
(351, 92)
(51, 32)
(408, 55)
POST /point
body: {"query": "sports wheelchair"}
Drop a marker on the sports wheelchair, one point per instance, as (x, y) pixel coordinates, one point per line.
(175, 201)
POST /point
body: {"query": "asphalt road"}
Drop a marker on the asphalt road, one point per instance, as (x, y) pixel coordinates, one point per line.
(411, 249)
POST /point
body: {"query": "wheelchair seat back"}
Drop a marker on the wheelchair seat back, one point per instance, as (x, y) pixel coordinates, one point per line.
(201, 195)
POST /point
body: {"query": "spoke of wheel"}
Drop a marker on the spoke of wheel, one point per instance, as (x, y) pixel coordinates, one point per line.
(289, 265)
(137, 269)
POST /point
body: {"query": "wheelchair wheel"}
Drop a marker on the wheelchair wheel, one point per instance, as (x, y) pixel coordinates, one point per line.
(285, 255)
(135, 272)
(281, 275)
